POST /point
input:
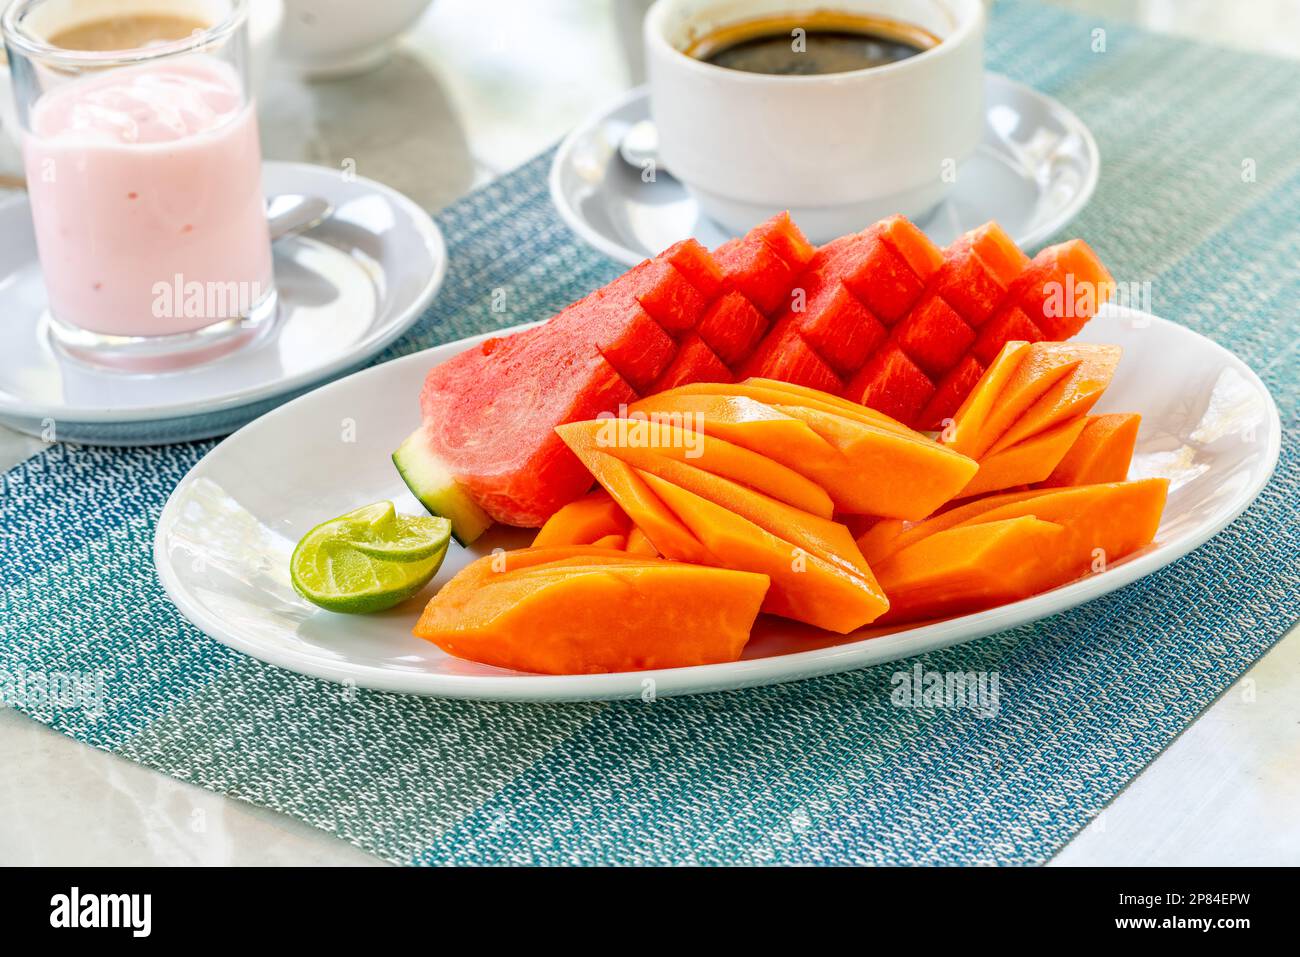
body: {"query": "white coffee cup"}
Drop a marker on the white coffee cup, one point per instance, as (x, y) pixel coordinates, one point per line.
(838, 150)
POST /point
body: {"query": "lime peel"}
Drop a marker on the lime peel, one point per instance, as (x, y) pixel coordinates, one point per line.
(369, 559)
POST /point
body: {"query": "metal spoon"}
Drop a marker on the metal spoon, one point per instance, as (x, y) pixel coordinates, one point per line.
(639, 146)
(289, 214)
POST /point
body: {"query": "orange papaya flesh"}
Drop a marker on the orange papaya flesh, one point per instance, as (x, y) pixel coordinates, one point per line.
(1073, 395)
(1103, 452)
(638, 543)
(827, 539)
(866, 462)
(583, 521)
(1039, 368)
(593, 614)
(1105, 521)
(890, 536)
(968, 569)
(804, 586)
(1028, 461)
(968, 422)
(657, 521)
(640, 441)
(617, 542)
(883, 472)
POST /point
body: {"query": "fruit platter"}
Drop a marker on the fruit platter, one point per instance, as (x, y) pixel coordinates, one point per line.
(727, 467)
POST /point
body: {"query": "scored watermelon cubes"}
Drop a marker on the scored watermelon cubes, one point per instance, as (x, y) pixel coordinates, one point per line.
(881, 317)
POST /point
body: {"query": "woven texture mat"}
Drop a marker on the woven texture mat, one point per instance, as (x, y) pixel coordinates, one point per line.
(818, 771)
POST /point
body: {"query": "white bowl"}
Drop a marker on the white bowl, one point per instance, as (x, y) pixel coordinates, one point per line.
(331, 38)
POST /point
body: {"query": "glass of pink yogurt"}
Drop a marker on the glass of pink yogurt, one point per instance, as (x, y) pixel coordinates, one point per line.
(144, 172)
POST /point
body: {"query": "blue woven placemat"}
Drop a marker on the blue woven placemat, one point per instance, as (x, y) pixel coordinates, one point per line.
(1200, 194)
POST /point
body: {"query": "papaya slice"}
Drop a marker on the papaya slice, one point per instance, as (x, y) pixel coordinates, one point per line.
(1103, 523)
(968, 569)
(638, 543)
(660, 525)
(584, 521)
(1028, 461)
(804, 586)
(1103, 452)
(640, 441)
(889, 536)
(1107, 521)
(592, 613)
(867, 463)
(1069, 396)
(963, 433)
(615, 542)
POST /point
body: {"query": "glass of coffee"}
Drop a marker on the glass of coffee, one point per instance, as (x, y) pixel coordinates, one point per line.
(140, 147)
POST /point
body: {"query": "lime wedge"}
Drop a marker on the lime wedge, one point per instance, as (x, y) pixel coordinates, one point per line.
(369, 559)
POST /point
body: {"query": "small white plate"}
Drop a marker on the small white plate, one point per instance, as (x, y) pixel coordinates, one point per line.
(346, 289)
(225, 536)
(1035, 169)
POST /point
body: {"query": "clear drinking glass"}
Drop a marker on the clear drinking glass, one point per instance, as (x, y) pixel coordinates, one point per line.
(144, 172)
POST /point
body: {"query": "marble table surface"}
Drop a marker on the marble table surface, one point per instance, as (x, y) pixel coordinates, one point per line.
(478, 87)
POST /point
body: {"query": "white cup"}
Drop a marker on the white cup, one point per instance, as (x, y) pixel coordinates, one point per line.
(838, 150)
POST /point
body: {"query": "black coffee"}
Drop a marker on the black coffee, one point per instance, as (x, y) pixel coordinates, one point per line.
(811, 44)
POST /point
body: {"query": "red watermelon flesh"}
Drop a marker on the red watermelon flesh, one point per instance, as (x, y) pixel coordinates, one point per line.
(695, 362)
(732, 327)
(490, 414)
(951, 392)
(752, 267)
(785, 239)
(977, 271)
(785, 355)
(838, 326)
(698, 266)
(878, 275)
(892, 383)
(934, 336)
(662, 290)
(1062, 288)
(624, 333)
(1011, 324)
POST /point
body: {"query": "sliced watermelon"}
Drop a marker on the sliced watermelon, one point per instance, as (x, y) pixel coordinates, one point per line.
(661, 289)
(951, 392)
(695, 362)
(490, 415)
(1011, 324)
(892, 383)
(698, 266)
(623, 332)
(839, 327)
(878, 275)
(1062, 288)
(753, 266)
(785, 239)
(785, 355)
(922, 256)
(934, 336)
(732, 327)
(977, 271)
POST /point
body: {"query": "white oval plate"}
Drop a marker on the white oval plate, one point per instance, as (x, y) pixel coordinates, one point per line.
(1035, 168)
(347, 289)
(224, 538)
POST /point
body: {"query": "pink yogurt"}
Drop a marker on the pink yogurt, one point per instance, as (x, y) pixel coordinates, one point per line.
(146, 193)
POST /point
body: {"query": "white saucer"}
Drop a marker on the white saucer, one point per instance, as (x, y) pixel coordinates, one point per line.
(346, 289)
(1035, 169)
